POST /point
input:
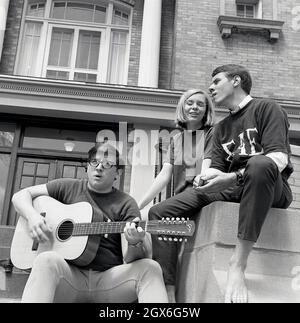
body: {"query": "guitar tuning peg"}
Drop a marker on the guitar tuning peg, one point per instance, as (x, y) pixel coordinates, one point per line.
(160, 238)
(170, 239)
(188, 219)
(165, 239)
(173, 219)
(177, 219)
(182, 219)
(180, 240)
(175, 239)
(163, 219)
(185, 240)
(168, 219)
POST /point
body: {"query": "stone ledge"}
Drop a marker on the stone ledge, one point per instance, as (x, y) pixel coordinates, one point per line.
(218, 223)
(227, 24)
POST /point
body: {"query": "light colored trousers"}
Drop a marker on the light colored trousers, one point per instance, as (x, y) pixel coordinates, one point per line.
(52, 279)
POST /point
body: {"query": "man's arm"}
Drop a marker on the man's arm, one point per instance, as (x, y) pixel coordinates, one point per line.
(280, 159)
(22, 201)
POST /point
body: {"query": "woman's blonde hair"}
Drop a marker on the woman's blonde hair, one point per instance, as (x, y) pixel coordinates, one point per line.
(181, 117)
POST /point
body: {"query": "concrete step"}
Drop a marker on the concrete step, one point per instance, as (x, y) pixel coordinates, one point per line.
(12, 285)
(10, 300)
(265, 288)
(205, 257)
(218, 223)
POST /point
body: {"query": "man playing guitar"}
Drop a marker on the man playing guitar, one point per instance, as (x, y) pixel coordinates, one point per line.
(120, 270)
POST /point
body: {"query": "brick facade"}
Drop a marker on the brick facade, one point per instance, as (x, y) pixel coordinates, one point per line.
(199, 48)
(135, 46)
(294, 182)
(11, 38)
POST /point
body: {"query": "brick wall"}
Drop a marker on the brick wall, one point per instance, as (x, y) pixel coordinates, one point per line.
(199, 48)
(136, 32)
(166, 44)
(11, 38)
(294, 180)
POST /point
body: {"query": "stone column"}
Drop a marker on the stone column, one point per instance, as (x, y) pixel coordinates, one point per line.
(150, 45)
(3, 15)
(143, 160)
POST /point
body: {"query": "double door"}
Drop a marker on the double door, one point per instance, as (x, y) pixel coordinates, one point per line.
(34, 171)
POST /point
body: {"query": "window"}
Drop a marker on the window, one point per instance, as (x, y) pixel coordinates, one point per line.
(58, 139)
(4, 166)
(249, 8)
(246, 11)
(86, 41)
(6, 134)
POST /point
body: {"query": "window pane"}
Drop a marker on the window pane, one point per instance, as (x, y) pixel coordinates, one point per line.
(120, 18)
(250, 11)
(40, 180)
(4, 165)
(88, 50)
(60, 48)
(80, 11)
(42, 170)
(6, 134)
(117, 59)
(240, 10)
(31, 41)
(69, 172)
(100, 14)
(58, 75)
(26, 181)
(58, 10)
(55, 139)
(85, 77)
(36, 9)
(28, 169)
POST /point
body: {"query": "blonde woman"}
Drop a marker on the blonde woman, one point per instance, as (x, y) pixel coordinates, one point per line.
(188, 154)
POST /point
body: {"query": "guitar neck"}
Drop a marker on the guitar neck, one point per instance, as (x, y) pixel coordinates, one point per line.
(83, 229)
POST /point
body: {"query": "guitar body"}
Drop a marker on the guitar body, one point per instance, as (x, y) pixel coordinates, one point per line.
(76, 232)
(80, 250)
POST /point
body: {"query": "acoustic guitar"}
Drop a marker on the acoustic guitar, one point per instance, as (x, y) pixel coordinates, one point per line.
(76, 237)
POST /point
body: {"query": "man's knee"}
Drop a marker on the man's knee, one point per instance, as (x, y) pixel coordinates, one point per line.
(49, 260)
(151, 266)
(154, 212)
(257, 166)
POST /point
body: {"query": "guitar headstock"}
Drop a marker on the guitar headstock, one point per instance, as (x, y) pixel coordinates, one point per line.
(173, 229)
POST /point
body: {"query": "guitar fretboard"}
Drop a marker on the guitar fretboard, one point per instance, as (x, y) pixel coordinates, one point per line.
(83, 229)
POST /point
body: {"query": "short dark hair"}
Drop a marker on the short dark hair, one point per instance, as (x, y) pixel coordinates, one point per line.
(108, 149)
(231, 70)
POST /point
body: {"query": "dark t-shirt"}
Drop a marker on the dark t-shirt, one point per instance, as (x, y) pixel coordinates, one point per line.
(261, 127)
(116, 206)
(186, 153)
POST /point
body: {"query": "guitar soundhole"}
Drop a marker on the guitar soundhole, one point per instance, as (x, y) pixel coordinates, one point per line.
(65, 230)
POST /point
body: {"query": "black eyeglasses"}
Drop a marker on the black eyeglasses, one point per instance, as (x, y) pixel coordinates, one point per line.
(106, 164)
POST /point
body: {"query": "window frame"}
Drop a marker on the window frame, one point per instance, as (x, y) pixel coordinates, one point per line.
(106, 30)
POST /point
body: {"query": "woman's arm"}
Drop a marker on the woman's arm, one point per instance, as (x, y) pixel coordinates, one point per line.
(160, 182)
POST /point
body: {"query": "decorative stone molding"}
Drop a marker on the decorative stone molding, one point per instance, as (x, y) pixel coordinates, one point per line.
(99, 92)
(228, 24)
(146, 99)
